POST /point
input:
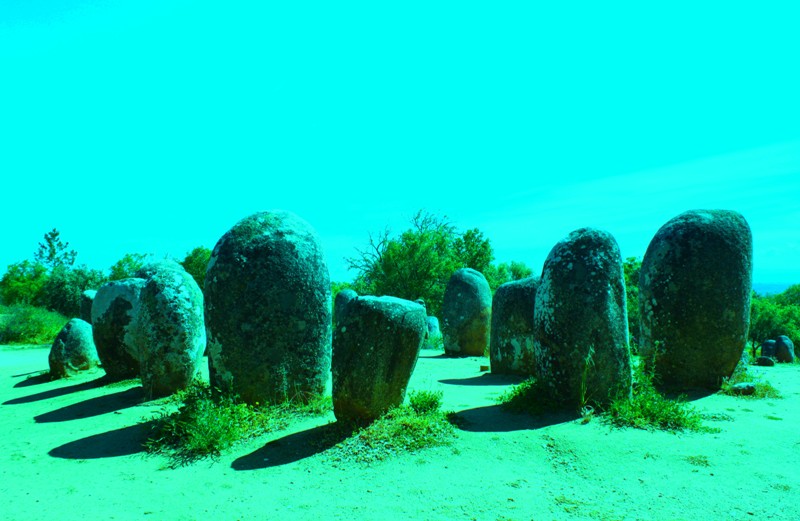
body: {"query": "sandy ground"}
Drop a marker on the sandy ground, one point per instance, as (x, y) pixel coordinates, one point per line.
(71, 450)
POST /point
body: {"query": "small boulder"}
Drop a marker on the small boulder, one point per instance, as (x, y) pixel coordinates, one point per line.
(511, 345)
(433, 336)
(765, 361)
(581, 322)
(375, 349)
(87, 298)
(784, 350)
(694, 298)
(769, 348)
(466, 314)
(743, 389)
(113, 310)
(73, 350)
(268, 310)
(168, 332)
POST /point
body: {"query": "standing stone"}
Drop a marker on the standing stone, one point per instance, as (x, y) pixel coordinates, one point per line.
(168, 332)
(784, 350)
(581, 322)
(769, 348)
(268, 310)
(466, 314)
(153, 265)
(113, 310)
(694, 298)
(511, 339)
(73, 350)
(340, 302)
(375, 349)
(433, 336)
(87, 298)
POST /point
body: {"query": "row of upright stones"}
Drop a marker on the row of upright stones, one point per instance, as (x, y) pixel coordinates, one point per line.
(569, 327)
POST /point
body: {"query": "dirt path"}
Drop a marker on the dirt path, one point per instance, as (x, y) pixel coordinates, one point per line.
(71, 451)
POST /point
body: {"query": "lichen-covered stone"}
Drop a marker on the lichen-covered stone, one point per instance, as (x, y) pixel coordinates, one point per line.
(152, 266)
(341, 301)
(784, 350)
(73, 350)
(433, 336)
(168, 332)
(511, 339)
(113, 310)
(466, 314)
(581, 323)
(268, 310)
(375, 348)
(694, 298)
(87, 298)
(768, 348)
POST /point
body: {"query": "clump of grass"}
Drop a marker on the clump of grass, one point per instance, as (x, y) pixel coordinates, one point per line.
(404, 429)
(763, 389)
(24, 324)
(207, 423)
(522, 398)
(648, 409)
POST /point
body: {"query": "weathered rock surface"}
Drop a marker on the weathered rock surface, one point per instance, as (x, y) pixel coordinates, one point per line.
(73, 350)
(341, 301)
(765, 361)
(511, 344)
(466, 314)
(581, 323)
(154, 265)
(784, 350)
(768, 348)
(743, 389)
(268, 310)
(113, 309)
(168, 332)
(375, 349)
(433, 337)
(694, 298)
(87, 298)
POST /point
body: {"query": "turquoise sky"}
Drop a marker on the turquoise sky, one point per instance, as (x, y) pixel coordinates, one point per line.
(154, 126)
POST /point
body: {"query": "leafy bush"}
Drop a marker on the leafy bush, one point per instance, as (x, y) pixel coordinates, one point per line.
(23, 282)
(649, 409)
(24, 324)
(207, 423)
(424, 402)
(524, 397)
(63, 289)
(195, 264)
(127, 266)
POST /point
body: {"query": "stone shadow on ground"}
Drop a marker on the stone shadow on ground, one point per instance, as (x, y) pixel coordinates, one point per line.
(484, 379)
(94, 406)
(438, 356)
(294, 447)
(55, 393)
(493, 418)
(119, 442)
(33, 378)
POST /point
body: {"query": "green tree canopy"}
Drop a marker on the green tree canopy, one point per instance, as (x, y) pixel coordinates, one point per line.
(196, 262)
(420, 261)
(127, 266)
(53, 252)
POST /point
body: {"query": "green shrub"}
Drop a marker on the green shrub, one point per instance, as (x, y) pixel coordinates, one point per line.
(62, 291)
(24, 324)
(424, 402)
(764, 389)
(401, 430)
(648, 409)
(522, 398)
(207, 423)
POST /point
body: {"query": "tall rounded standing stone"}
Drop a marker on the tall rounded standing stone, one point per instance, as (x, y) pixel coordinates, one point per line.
(113, 310)
(340, 302)
(375, 348)
(694, 298)
(511, 339)
(73, 350)
(268, 310)
(466, 314)
(784, 350)
(581, 322)
(87, 298)
(168, 332)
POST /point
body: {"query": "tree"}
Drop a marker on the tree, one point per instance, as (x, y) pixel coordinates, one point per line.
(23, 283)
(789, 297)
(631, 268)
(127, 266)
(53, 252)
(196, 262)
(421, 260)
(63, 289)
